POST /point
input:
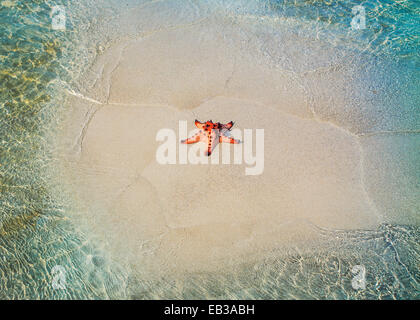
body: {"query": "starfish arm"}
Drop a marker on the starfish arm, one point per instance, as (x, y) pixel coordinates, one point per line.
(210, 148)
(195, 138)
(229, 140)
(228, 126)
(212, 141)
(198, 124)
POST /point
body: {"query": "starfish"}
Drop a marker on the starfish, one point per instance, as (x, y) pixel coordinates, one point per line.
(212, 134)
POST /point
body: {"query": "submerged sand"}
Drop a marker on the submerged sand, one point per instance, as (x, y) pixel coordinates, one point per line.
(187, 217)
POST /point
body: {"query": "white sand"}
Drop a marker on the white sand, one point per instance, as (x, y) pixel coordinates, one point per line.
(201, 217)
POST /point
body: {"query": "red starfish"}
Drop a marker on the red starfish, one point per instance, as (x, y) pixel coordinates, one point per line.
(212, 133)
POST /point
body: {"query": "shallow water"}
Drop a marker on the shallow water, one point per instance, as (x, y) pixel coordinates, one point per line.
(363, 81)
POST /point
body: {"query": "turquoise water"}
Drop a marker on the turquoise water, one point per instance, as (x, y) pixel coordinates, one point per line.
(38, 64)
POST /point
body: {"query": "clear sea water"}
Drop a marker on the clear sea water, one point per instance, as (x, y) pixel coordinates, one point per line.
(36, 234)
